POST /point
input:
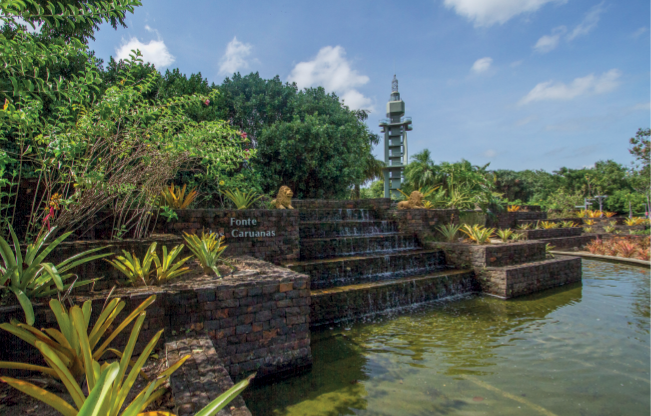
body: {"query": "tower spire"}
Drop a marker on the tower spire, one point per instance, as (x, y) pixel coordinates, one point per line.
(395, 129)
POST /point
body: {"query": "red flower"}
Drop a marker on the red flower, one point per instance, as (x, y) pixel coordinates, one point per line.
(206, 102)
(243, 134)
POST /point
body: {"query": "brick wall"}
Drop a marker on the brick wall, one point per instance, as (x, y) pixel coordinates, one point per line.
(502, 220)
(512, 281)
(257, 321)
(551, 233)
(491, 255)
(271, 235)
(423, 222)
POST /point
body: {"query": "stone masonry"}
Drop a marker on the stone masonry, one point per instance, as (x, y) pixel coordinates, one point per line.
(258, 321)
(201, 379)
(271, 235)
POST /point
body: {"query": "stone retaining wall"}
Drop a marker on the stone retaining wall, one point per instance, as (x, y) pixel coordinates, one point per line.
(531, 215)
(257, 320)
(201, 378)
(551, 233)
(491, 255)
(577, 242)
(271, 235)
(423, 222)
(512, 281)
(502, 220)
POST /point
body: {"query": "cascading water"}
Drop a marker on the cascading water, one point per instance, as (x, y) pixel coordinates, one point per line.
(369, 264)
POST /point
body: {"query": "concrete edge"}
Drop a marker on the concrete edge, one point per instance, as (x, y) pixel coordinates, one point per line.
(622, 260)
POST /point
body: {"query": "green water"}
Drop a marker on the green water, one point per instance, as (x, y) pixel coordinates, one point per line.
(577, 350)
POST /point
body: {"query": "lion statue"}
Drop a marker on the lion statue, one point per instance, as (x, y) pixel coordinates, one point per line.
(284, 198)
(415, 201)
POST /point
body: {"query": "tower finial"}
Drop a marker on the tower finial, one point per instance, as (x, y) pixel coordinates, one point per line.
(394, 84)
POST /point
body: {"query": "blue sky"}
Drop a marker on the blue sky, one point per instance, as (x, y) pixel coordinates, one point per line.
(522, 84)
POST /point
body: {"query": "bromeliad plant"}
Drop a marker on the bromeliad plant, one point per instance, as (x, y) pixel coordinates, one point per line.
(242, 200)
(477, 233)
(525, 226)
(568, 224)
(176, 198)
(28, 277)
(108, 384)
(547, 225)
(208, 250)
(65, 341)
(139, 273)
(449, 231)
(514, 208)
(505, 235)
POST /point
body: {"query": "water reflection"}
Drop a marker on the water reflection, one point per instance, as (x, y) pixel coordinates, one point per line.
(576, 350)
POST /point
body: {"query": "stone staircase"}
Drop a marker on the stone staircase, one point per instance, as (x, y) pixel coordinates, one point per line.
(360, 264)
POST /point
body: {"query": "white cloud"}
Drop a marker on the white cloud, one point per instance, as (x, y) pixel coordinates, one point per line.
(489, 12)
(589, 84)
(331, 70)
(639, 32)
(490, 153)
(641, 106)
(155, 51)
(589, 22)
(482, 65)
(235, 56)
(548, 43)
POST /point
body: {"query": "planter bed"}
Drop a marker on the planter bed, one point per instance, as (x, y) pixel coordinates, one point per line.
(551, 233)
(491, 255)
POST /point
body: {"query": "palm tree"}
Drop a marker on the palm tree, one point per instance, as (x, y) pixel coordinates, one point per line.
(422, 172)
(372, 171)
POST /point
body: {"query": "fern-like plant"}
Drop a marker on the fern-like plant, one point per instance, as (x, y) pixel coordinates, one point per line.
(504, 235)
(175, 197)
(449, 231)
(242, 200)
(208, 249)
(477, 233)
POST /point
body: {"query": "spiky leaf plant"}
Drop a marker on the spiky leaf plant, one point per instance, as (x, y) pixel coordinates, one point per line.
(449, 231)
(477, 233)
(208, 249)
(28, 277)
(176, 198)
(504, 235)
(242, 200)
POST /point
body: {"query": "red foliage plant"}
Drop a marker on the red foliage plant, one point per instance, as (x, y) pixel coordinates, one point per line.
(621, 247)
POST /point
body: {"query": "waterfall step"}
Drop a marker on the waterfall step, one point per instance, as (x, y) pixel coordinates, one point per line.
(321, 248)
(342, 271)
(337, 215)
(355, 301)
(347, 228)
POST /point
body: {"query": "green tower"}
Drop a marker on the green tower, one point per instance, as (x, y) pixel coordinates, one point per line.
(395, 129)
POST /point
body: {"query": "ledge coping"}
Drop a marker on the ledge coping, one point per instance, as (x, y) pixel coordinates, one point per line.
(623, 260)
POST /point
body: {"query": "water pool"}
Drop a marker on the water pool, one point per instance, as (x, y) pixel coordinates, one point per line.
(576, 350)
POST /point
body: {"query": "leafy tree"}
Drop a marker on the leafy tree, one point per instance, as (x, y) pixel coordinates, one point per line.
(55, 19)
(641, 147)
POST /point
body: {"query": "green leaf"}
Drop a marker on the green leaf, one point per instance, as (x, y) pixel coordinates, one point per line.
(25, 303)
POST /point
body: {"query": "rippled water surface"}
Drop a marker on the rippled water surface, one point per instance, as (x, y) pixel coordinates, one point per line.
(577, 350)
